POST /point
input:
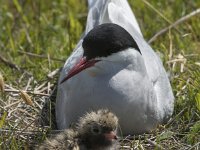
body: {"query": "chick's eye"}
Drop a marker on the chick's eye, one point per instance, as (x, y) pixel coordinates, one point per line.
(96, 130)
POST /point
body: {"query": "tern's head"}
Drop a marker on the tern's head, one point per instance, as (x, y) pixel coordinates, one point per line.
(98, 129)
(102, 41)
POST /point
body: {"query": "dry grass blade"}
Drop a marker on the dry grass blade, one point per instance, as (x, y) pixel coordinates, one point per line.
(197, 63)
(158, 12)
(1, 83)
(194, 13)
(30, 92)
(41, 56)
(52, 74)
(196, 145)
(8, 63)
(26, 98)
(154, 144)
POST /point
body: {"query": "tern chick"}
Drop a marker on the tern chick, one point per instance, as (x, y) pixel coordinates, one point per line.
(94, 131)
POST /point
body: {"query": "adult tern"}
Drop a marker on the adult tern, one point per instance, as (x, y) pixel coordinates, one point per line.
(113, 67)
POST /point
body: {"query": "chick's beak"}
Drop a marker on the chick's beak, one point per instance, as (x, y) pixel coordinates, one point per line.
(111, 136)
(81, 65)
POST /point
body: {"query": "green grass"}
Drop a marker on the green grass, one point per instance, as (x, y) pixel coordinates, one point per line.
(52, 29)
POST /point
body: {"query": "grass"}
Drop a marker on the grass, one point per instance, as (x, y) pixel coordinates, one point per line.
(51, 29)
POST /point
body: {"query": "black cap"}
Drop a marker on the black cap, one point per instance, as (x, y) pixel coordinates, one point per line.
(105, 39)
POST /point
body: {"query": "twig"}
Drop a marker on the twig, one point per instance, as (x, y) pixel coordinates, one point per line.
(27, 113)
(176, 60)
(49, 61)
(9, 105)
(174, 24)
(28, 84)
(52, 74)
(40, 86)
(34, 93)
(28, 131)
(22, 76)
(125, 147)
(2, 84)
(27, 127)
(11, 111)
(197, 144)
(40, 107)
(40, 56)
(8, 63)
(45, 88)
(170, 46)
(197, 63)
(49, 87)
(154, 144)
(179, 114)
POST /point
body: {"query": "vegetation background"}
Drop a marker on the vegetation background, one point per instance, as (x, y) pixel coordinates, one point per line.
(36, 37)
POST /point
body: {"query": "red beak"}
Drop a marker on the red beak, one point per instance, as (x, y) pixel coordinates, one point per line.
(111, 136)
(81, 65)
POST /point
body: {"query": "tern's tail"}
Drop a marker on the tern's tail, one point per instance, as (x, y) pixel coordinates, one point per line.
(111, 11)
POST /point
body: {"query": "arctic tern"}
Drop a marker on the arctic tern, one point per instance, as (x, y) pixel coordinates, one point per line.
(113, 67)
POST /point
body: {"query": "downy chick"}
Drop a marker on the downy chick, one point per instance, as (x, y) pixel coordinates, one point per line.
(94, 131)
